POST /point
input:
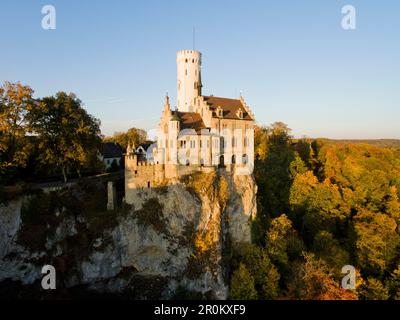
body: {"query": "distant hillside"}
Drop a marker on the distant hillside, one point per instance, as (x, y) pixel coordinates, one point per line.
(385, 143)
(378, 142)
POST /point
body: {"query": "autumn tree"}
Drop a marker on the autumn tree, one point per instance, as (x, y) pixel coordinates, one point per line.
(377, 241)
(15, 102)
(393, 284)
(316, 282)
(373, 289)
(132, 136)
(68, 136)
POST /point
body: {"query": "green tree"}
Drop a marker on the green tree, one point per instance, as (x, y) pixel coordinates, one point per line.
(282, 241)
(265, 274)
(242, 285)
(68, 136)
(330, 250)
(272, 174)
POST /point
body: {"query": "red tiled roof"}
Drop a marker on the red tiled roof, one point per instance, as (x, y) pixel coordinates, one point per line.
(190, 120)
(229, 107)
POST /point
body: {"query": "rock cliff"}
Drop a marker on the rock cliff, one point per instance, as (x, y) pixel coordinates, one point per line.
(173, 242)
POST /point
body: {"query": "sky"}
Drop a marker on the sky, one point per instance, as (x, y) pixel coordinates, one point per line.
(291, 60)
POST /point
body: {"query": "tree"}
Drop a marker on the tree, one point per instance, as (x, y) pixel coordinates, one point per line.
(393, 284)
(329, 249)
(377, 241)
(132, 136)
(282, 241)
(265, 274)
(317, 282)
(272, 173)
(297, 166)
(68, 136)
(373, 289)
(242, 285)
(15, 102)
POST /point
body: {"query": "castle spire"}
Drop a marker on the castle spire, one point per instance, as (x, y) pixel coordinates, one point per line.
(167, 107)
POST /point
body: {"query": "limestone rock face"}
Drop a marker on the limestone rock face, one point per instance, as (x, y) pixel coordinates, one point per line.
(172, 237)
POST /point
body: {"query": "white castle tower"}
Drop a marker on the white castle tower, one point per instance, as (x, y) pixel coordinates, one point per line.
(189, 78)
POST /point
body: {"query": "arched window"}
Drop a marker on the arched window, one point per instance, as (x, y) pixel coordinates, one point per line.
(233, 159)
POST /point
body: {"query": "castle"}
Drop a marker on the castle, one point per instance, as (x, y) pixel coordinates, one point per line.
(204, 133)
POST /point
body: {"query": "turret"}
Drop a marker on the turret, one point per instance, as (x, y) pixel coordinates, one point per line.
(167, 107)
(189, 79)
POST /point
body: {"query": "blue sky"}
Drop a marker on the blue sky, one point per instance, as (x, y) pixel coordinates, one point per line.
(291, 59)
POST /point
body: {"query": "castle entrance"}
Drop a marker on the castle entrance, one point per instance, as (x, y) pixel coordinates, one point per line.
(221, 161)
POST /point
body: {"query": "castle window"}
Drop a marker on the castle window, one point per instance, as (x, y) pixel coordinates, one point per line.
(186, 60)
(245, 159)
(240, 113)
(201, 144)
(148, 184)
(220, 112)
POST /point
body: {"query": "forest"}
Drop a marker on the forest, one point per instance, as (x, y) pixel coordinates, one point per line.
(322, 205)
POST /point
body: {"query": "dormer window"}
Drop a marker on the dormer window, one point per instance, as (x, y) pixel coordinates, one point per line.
(239, 113)
(220, 112)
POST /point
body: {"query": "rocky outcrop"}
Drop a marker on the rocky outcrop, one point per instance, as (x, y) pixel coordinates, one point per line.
(172, 240)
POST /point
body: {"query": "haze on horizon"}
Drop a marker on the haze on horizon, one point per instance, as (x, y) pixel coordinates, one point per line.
(292, 61)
